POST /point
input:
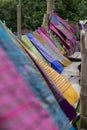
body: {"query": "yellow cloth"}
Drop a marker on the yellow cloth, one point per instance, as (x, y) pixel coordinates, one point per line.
(63, 85)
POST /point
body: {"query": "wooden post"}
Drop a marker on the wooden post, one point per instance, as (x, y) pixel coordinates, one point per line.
(47, 16)
(83, 95)
(19, 20)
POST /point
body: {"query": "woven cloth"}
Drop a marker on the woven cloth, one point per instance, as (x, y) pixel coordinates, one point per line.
(27, 69)
(70, 28)
(66, 107)
(31, 47)
(63, 85)
(19, 108)
(63, 60)
(48, 56)
(59, 35)
(61, 28)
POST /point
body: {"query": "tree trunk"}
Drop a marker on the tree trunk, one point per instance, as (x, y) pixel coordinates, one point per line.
(83, 98)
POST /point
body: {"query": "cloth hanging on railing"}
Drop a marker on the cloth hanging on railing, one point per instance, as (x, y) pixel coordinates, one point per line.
(57, 46)
(52, 60)
(31, 47)
(63, 60)
(26, 68)
(66, 107)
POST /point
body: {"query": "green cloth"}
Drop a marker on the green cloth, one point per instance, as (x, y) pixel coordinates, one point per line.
(31, 47)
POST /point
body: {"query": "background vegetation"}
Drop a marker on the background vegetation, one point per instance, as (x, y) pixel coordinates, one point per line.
(33, 11)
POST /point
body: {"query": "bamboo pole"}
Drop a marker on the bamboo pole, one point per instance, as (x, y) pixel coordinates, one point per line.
(83, 95)
(19, 20)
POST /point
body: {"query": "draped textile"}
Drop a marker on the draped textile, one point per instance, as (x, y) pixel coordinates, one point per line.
(51, 59)
(66, 107)
(63, 60)
(27, 69)
(19, 108)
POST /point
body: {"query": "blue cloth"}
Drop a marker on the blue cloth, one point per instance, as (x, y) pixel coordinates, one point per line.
(54, 63)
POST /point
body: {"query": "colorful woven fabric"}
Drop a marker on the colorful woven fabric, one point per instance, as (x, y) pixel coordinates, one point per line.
(61, 28)
(66, 107)
(70, 28)
(51, 59)
(59, 35)
(45, 35)
(63, 60)
(57, 43)
(19, 108)
(50, 41)
(31, 47)
(60, 82)
(27, 69)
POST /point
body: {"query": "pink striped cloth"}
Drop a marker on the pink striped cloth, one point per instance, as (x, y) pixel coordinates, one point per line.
(44, 34)
(60, 36)
(19, 108)
(70, 28)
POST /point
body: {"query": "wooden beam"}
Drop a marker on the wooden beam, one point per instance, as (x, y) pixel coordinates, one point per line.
(83, 95)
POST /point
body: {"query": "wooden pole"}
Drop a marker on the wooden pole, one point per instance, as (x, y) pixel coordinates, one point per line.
(19, 20)
(47, 16)
(83, 95)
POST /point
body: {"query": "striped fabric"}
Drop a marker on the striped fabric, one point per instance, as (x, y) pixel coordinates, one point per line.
(66, 107)
(19, 108)
(70, 28)
(45, 35)
(68, 47)
(57, 43)
(61, 28)
(51, 41)
(27, 69)
(63, 60)
(45, 52)
(60, 82)
(31, 47)
(59, 35)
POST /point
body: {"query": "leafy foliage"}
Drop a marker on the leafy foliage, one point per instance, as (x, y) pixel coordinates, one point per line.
(33, 11)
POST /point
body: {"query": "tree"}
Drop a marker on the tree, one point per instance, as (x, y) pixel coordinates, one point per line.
(33, 11)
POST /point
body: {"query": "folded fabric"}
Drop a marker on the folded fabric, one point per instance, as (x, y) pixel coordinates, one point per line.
(70, 28)
(63, 85)
(61, 28)
(19, 108)
(28, 44)
(45, 35)
(63, 60)
(66, 107)
(50, 38)
(59, 35)
(27, 69)
(57, 66)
